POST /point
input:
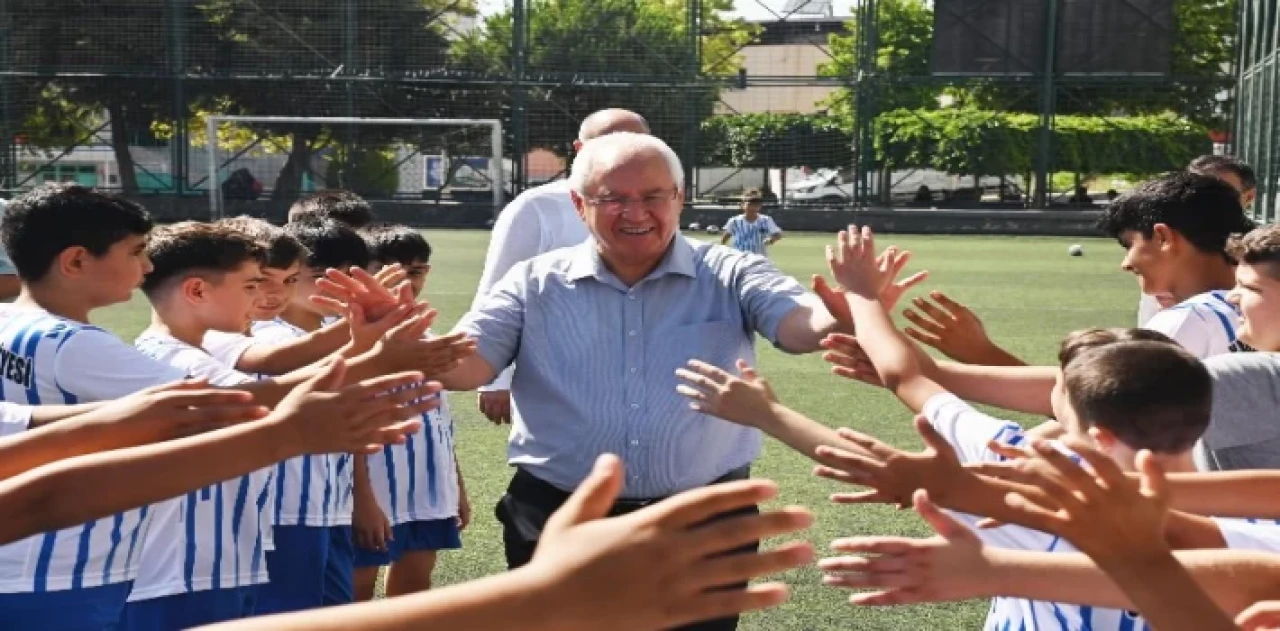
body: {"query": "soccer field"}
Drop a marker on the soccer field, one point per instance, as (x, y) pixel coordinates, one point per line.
(1027, 290)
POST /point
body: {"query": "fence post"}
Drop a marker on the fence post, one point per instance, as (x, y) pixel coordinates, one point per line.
(1048, 98)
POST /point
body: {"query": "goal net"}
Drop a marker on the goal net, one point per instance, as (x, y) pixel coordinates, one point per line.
(281, 158)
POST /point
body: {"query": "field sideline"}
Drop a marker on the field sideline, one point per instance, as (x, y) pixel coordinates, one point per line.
(1027, 290)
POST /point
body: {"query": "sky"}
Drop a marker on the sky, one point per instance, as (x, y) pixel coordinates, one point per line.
(747, 9)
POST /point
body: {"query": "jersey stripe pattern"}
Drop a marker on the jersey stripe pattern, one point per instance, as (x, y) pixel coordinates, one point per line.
(1216, 318)
(970, 431)
(418, 481)
(750, 236)
(210, 538)
(101, 552)
(308, 490)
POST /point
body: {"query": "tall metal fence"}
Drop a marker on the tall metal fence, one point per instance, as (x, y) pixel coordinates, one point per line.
(1258, 111)
(881, 107)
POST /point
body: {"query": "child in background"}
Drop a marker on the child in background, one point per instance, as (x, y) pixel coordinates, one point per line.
(410, 500)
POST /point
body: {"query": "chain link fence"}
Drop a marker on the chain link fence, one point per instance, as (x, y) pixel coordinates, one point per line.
(824, 107)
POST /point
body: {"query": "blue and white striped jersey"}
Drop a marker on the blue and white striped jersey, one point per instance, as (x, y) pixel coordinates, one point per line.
(1205, 324)
(312, 490)
(418, 481)
(969, 431)
(46, 359)
(210, 538)
(227, 348)
(750, 236)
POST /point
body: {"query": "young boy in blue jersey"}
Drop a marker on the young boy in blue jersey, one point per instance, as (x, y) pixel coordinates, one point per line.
(280, 271)
(313, 560)
(78, 250)
(410, 500)
(751, 231)
(202, 558)
(1174, 230)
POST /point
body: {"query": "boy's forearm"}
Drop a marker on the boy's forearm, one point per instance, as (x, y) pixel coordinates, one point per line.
(1019, 388)
(297, 353)
(893, 358)
(84, 488)
(42, 415)
(522, 598)
(1241, 494)
(72, 437)
(1167, 595)
(1184, 531)
(802, 433)
(1233, 579)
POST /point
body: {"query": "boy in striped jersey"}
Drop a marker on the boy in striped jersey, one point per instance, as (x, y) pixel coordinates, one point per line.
(410, 500)
(280, 271)
(313, 560)
(1175, 230)
(78, 250)
(751, 231)
(202, 557)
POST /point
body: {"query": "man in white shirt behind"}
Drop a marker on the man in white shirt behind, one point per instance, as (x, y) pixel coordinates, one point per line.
(538, 221)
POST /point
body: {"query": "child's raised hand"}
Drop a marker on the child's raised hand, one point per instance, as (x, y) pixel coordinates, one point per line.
(714, 391)
(1102, 512)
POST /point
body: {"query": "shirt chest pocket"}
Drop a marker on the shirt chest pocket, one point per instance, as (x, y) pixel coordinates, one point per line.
(720, 343)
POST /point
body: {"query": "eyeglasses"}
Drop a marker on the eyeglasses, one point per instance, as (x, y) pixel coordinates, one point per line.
(614, 205)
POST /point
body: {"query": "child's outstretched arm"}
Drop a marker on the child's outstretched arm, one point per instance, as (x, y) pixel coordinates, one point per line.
(152, 415)
(854, 265)
(954, 565)
(314, 418)
(657, 568)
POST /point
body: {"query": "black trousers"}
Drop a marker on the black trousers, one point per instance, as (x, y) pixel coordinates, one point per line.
(529, 502)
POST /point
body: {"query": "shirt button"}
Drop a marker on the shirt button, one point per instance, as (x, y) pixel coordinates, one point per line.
(631, 296)
(632, 332)
(634, 442)
(634, 369)
(635, 406)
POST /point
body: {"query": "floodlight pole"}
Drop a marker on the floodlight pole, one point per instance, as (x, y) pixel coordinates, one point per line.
(1047, 98)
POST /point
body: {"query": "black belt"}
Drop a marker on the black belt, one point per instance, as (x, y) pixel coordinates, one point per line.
(528, 485)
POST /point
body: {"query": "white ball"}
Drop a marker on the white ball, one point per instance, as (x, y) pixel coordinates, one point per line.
(1075, 250)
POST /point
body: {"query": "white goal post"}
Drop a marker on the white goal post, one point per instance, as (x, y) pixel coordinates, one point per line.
(216, 168)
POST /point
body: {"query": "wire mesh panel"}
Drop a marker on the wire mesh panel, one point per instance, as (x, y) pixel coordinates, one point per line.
(821, 104)
(1258, 101)
(282, 158)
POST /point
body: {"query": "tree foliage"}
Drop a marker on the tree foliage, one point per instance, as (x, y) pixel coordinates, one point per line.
(958, 141)
(1202, 50)
(574, 43)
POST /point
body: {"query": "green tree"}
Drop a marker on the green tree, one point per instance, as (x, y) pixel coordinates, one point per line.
(121, 51)
(574, 43)
(383, 39)
(905, 37)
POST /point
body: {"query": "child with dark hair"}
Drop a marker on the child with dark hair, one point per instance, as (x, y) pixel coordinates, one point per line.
(337, 204)
(1175, 230)
(410, 500)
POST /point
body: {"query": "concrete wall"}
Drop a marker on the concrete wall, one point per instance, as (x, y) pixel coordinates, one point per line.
(426, 214)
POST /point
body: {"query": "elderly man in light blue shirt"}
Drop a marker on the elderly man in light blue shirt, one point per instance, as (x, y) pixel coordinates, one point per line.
(597, 331)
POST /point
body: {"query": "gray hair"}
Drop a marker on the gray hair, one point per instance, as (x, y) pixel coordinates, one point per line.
(613, 149)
